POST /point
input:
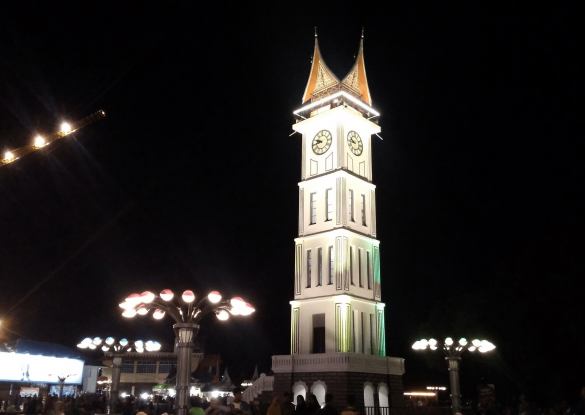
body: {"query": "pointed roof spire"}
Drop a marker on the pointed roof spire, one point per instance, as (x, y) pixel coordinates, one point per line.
(321, 77)
(255, 375)
(356, 80)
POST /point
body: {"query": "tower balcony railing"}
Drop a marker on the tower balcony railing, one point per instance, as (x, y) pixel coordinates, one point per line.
(408, 410)
(338, 362)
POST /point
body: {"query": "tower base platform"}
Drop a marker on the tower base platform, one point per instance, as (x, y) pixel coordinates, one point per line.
(375, 381)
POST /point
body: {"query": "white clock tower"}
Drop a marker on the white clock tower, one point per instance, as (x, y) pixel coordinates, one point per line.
(337, 317)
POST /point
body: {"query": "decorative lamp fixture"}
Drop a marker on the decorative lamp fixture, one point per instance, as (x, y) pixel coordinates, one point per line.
(184, 311)
(188, 296)
(110, 345)
(65, 128)
(39, 142)
(8, 157)
(214, 297)
(453, 355)
(166, 295)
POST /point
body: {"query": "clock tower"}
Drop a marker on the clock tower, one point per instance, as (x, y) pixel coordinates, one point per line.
(338, 336)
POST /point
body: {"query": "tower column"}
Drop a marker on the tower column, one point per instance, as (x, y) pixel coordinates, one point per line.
(343, 334)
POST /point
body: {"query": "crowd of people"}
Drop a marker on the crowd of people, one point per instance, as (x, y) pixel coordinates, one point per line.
(527, 405)
(228, 405)
(53, 405)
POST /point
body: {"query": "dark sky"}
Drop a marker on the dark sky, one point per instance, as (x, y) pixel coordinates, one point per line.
(191, 179)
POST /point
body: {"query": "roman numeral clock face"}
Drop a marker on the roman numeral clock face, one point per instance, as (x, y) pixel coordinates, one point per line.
(322, 142)
(354, 142)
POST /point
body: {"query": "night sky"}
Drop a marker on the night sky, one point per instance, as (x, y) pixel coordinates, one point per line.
(190, 182)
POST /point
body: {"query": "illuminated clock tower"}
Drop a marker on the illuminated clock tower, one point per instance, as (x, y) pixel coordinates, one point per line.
(338, 340)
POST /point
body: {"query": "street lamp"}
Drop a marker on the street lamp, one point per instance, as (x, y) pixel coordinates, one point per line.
(187, 315)
(453, 352)
(116, 350)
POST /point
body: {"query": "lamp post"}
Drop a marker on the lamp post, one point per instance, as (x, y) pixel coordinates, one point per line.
(117, 350)
(453, 356)
(62, 378)
(186, 315)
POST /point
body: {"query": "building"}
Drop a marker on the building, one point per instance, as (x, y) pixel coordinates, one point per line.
(29, 367)
(142, 372)
(338, 342)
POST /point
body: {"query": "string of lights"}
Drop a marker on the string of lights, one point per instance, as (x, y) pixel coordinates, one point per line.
(41, 142)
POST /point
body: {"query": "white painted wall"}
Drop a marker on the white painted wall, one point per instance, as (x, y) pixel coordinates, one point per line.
(326, 305)
(341, 183)
(324, 240)
(90, 377)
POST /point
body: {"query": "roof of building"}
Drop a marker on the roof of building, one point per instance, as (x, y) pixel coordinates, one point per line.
(25, 346)
(322, 81)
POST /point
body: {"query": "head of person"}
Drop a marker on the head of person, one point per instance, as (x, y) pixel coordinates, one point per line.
(287, 397)
(237, 395)
(350, 400)
(300, 400)
(312, 400)
(196, 402)
(142, 407)
(328, 398)
(214, 402)
(59, 406)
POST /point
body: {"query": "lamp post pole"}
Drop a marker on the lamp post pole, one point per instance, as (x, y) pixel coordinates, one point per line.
(185, 334)
(61, 383)
(115, 386)
(453, 356)
(454, 378)
(186, 315)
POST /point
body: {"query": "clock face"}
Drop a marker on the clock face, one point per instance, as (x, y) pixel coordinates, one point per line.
(354, 142)
(322, 142)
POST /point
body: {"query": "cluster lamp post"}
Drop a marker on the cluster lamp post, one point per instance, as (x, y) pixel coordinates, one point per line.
(453, 356)
(186, 315)
(116, 350)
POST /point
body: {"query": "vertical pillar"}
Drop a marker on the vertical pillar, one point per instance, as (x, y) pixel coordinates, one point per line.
(342, 324)
(115, 388)
(185, 333)
(294, 330)
(381, 329)
(454, 377)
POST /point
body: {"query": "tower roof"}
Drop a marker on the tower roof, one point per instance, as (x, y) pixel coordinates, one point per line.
(323, 82)
(321, 78)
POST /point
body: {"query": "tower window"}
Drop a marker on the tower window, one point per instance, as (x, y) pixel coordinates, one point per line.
(368, 270)
(319, 267)
(351, 265)
(329, 201)
(351, 217)
(313, 208)
(309, 269)
(360, 267)
(318, 333)
(364, 210)
(331, 265)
